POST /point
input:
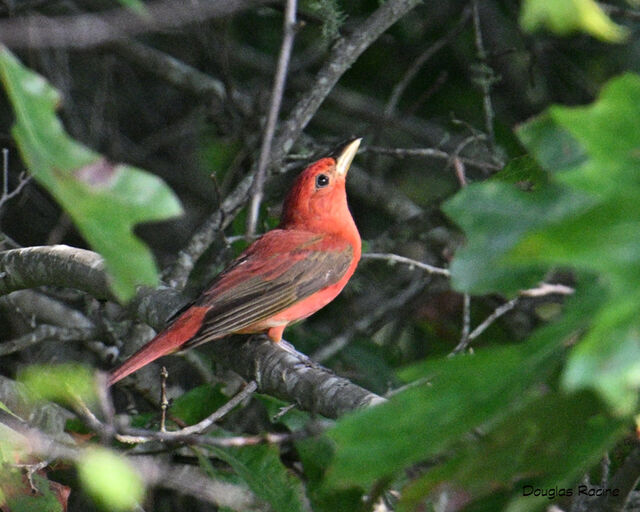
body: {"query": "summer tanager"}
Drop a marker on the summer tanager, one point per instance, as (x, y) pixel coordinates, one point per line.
(286, 275)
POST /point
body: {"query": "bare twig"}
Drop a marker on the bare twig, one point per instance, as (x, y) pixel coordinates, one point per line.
(208, 423)
(466, 321)
(485, 81)
(186, 480)
(430, 153)
(86, 30)
(498, 312)
(192, 433)
(345, 52)
(460, 171)
(540, 291)
(289, 30)
(547, 289)
(164, 401)
(624, 481)
(396, 258)
(23, 180)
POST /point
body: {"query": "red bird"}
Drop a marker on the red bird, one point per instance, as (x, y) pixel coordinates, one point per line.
(286, 275)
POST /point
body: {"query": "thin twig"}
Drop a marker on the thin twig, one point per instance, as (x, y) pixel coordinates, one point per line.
(164, 402)
(396, 258)
(540, 291)
(23, 180)
(461, 174)
(138, 436)
(466, 321)
(485, 82)
(208, 423)
(289, 31)
(547, 289)
(430, 153)
(345, 52)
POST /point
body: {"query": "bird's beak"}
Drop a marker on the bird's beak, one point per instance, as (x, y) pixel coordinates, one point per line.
(345, 156)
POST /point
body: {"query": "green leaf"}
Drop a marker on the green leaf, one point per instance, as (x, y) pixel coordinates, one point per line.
(495, 217)
(105, 200)
(422, 421)
(261, 468)
(566, 16)
(110, 479)
(585, 218)
(601, 239)
(462, 393)
(549, 442)
(45, 501)
(64, 383)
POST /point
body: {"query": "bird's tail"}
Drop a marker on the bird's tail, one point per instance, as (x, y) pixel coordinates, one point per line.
(166, 342)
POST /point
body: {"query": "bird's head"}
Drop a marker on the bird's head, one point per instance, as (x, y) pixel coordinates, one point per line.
(318, 199)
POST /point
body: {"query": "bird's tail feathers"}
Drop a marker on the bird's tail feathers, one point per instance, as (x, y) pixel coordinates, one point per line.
(166, 342)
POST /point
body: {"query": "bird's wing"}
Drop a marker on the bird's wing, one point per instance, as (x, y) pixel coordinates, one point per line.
(278, 270)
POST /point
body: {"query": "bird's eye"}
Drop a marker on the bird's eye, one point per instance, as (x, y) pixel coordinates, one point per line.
(322, 180)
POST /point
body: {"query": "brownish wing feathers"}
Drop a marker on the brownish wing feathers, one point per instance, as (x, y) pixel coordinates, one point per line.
(276, 272)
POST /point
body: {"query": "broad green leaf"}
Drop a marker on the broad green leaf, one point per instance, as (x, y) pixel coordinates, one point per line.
(261, 468)
(462, 393)
(550, 442)
(105, 200)
(422, 421)
(495, 216)
(587, 218)
(28, 501)
(602, 238)
(64, 383)
(110, 479)
(566, 16)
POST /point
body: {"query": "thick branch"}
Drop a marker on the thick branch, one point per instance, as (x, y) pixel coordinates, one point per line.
(55, 265)
(277, 368)
(281, 371)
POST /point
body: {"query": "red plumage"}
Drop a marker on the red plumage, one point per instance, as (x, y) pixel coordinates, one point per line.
(286, 275)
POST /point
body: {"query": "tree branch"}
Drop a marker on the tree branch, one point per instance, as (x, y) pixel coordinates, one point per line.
(86, 30)
(278, 369)
(55, 265)
(289, 30)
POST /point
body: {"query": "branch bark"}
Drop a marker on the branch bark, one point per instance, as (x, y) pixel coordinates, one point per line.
(278, 369)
